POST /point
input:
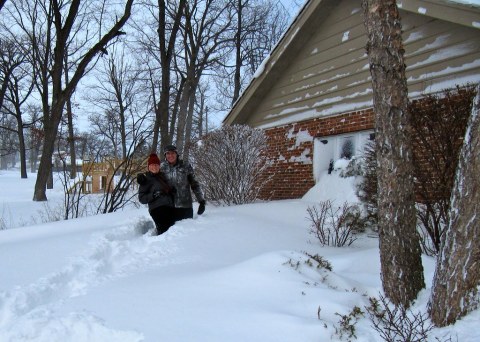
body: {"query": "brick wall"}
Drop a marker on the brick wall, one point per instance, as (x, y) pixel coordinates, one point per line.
(291, 146)
(291, 151)
(439, 126)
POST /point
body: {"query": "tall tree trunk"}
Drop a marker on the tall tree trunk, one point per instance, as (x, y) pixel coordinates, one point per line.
(176, 108)
(71, 141)
(188, 127)
(182, 115)
(400, 253)
(238, 53)
(4, 87)
(203, 110)
(71, 134)
(33, 155)
(45, 166)
(21, 144)
(163, 118)
(457, 275)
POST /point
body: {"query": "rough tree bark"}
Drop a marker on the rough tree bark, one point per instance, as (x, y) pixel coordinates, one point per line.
(400, 253)
(457, 275)
(71, 134)
(237, 84)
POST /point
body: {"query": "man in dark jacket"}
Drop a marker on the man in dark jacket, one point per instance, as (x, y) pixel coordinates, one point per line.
(156, 191)
(181, 176)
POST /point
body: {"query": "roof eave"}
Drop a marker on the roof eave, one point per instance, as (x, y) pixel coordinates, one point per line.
(304, 25)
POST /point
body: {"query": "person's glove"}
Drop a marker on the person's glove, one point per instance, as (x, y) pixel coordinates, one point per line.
(156, 194)
(201, 207)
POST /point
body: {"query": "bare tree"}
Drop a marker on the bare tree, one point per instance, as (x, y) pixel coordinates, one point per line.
(17, 95)
(400, 253)
(158, 38)
(34, 20)
(167, 48)
(114, 93)
(60, 93)
(10, 59)
(259, 25)
(18, 85)
(205, 34)
(105, 125)
(8, 140)
(59, 27)
(457, 277)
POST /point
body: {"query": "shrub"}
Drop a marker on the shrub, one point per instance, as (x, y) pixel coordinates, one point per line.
(367, 188)
(354, 168)
(396, 323)
(230, 164)
(439, 123)
(347, 324)
(321, 262)
(335, 226)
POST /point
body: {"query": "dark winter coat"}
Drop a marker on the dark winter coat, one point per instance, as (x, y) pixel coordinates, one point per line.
(182, 178)
(150, 184)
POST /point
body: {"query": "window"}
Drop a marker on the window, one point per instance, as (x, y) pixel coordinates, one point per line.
(103, 182)
(326, 149)
(347, 147)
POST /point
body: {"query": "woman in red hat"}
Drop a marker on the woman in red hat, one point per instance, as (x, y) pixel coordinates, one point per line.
(156, 191)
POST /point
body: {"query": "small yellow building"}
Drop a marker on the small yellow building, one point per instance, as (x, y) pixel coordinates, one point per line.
(99, 177)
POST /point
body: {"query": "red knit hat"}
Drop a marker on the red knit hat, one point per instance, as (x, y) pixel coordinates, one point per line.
(153, 159)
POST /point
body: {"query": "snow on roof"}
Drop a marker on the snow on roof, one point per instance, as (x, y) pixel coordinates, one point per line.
(305, 112)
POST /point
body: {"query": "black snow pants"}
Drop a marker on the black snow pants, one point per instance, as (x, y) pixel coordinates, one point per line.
(164, 218)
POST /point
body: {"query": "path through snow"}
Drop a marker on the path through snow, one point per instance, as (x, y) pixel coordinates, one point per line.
(115, 253)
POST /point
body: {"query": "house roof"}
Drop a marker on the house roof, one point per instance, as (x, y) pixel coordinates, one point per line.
(306, 25)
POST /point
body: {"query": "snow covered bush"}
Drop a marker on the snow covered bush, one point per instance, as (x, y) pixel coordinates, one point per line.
(396, 323)
(230, 164)
(335, 226)
(439, 123)
(353, 168)
(367, 188)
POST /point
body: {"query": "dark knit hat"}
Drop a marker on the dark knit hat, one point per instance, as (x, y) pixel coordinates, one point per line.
(153, 159)
(170, 148)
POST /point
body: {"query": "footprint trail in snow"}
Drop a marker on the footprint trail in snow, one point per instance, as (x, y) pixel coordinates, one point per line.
(116, 253)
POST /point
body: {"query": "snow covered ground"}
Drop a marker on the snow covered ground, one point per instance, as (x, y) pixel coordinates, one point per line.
(233, 274)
